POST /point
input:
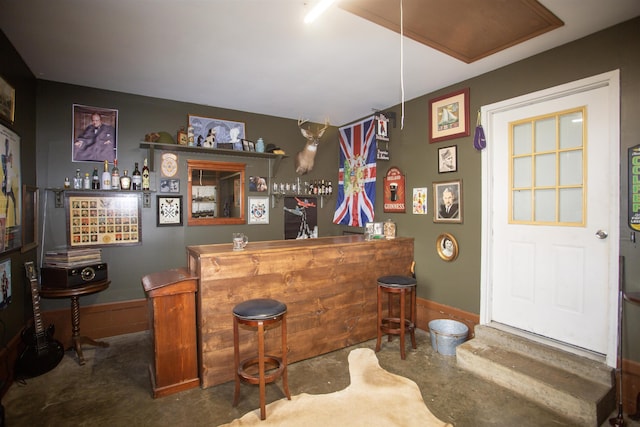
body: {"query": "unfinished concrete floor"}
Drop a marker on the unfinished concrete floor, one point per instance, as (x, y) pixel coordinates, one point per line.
(113, 389)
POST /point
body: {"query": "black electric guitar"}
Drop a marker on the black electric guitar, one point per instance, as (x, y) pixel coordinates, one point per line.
(43, 353)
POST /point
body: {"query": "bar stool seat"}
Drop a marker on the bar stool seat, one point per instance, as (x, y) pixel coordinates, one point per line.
(258, 313)
(397, 325)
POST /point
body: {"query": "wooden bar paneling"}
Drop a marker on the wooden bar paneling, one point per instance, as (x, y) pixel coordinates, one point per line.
(329, 286)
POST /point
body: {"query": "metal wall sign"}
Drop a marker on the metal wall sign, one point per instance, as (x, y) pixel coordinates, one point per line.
(634, 188)
(394, 191)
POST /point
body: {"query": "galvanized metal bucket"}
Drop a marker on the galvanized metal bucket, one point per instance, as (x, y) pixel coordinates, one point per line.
(446, 335)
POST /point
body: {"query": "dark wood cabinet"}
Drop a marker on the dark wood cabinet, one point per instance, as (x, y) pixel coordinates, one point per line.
(172, 309)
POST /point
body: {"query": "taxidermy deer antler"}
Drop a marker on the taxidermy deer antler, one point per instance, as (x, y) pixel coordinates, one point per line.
(305, 158)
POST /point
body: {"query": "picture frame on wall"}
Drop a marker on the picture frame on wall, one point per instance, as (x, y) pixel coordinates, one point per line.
(228, 134)
(7, 101)
(169, 185)
(448, 159)
(449, 116)
(258, 210)
(29, 218)
(95, 134)
(103, 218)
(11, 196)
(447, 247)
(169, 211)
(447, 201)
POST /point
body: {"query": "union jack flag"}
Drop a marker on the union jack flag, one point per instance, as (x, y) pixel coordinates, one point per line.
(357, 174)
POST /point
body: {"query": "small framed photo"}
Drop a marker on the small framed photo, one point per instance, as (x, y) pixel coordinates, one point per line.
(448, 159)
(258, 210)
(7, 101)
(169, 211)
(447, 247)
(258, 183)
(447, 201)
(183, 138)
(169, 185)
(245, 145)
(449, 116)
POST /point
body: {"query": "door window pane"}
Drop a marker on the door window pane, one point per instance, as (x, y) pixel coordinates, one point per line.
(571, 133)
(545, 202)
(546, 134)
(571, 205)
(522, 205)
(546, 170)
(522, 139)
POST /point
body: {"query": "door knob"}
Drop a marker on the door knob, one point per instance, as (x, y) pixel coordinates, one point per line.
(601, 234)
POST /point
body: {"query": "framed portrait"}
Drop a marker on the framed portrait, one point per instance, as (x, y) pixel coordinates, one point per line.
(169, 185)
(258, 210)
(169, 211)
(11, 196)
(7, 101)
(258, 183)
(449, 116)
(102, 218)
(95, 134)
(448, 159)
(220, 133)
(447, 247)
(29, 217)
(447, 201)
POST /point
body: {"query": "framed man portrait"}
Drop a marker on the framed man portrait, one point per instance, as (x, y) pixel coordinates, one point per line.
(95, 132)
(447, 201)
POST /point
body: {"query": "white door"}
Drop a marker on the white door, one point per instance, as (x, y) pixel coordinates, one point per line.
(551, 187)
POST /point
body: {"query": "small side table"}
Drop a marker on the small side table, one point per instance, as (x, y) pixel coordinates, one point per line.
(75, 294)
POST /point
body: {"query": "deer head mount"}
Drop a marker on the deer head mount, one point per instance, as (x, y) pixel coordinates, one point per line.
(305, 157)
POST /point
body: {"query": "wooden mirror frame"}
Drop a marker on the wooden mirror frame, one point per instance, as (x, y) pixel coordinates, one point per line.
(216, 171)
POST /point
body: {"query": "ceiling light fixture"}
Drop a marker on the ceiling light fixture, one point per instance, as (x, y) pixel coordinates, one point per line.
(318, 10)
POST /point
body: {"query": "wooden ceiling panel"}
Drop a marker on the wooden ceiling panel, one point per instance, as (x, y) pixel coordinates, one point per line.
(464, 29)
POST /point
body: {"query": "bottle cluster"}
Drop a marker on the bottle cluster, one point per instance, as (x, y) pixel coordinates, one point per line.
(111, 179)
(319, 187)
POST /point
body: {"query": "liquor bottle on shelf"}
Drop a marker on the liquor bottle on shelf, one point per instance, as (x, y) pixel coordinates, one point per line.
(146, 184)
(106, 177)
(330, 188)
(125, 181)
(136, 178)
(95, 180)
(323, 188)
(77, 180)
(86, 182)
(67, 183)
(115, 176)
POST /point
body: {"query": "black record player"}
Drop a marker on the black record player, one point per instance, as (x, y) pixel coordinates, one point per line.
(71, 277)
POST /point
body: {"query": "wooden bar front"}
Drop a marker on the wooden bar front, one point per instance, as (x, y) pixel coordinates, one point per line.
(328, 284)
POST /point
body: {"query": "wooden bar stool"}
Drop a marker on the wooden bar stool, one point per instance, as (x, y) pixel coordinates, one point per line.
(397, 325)
(258, 313)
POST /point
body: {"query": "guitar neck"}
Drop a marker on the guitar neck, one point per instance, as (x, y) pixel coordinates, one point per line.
(35, 299)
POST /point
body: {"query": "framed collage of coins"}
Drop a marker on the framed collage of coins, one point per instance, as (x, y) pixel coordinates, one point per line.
(103, 219)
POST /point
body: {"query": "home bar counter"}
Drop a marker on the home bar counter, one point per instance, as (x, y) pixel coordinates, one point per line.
(328, 284)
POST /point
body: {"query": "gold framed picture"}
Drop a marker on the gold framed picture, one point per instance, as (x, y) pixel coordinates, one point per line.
(447, 247)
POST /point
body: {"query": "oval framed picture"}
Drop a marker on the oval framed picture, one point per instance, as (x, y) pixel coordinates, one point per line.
(447, 247)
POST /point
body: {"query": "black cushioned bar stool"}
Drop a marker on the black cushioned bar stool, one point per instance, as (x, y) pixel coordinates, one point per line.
(258, 313)
(397, 325)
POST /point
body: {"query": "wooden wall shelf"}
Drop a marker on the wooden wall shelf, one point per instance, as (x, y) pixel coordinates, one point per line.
(274, 159)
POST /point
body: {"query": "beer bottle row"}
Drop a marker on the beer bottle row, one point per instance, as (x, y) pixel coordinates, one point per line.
(111, 179)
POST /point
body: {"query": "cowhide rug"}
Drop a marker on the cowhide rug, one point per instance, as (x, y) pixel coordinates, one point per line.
(375, 397)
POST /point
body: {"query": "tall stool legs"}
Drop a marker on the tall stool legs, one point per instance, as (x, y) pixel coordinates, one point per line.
(397, 325)
(259, 313)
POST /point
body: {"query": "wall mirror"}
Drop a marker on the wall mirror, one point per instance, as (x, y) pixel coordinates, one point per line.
(215, 193)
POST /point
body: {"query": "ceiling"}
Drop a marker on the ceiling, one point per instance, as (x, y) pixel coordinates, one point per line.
(258, 55)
